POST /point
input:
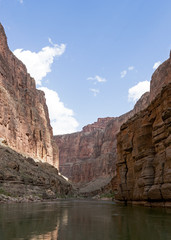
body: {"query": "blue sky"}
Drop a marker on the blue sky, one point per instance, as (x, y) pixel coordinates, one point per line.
(92, 58)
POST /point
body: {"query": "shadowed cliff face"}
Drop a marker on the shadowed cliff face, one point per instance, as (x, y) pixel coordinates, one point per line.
(91, 154)
(24, 119)
(144, 153)
(22, 179)
(144, 146)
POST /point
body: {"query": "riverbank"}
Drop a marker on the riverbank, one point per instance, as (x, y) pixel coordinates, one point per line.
(22, 179)
(5, 198)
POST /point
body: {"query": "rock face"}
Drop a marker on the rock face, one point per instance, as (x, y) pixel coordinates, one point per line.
(23, 179)
(160, 78)
(81, 156)
(89, 156)
(144, 147)
(100, 124)
(24, 119)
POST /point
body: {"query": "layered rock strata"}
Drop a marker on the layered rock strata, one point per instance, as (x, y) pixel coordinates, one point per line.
(144, 151)
(24, 119)
(144, 147)
(88, 158)
(100, 124)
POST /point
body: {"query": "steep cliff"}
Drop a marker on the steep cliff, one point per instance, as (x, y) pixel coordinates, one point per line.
(25, 136)
(88, 158)
(144, 147)
(24, 119)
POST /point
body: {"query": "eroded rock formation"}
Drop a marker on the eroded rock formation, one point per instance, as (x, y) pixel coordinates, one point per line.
(136, 161)
(144, 147)
(89, 156)
(24, 119)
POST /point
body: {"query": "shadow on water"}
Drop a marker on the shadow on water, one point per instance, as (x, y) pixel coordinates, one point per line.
(83, 220)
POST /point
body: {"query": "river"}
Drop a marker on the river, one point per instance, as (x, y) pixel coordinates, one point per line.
(83, 220)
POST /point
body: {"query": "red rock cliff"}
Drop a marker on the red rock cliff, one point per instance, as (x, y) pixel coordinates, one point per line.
(91, 154)
(144, 147)
(160, 78)
(24, 119)
(100, 124)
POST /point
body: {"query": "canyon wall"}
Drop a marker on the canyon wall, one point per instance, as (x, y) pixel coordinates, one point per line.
(144, 147)
(99, 125)
(136, 161)
(89, 156)
(141, 150)
(24, 119)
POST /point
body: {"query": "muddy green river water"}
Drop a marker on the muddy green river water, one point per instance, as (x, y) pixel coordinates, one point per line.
(83, 220)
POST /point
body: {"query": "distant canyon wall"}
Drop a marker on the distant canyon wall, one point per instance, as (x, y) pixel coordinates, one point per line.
(24, 119)
(91, 154)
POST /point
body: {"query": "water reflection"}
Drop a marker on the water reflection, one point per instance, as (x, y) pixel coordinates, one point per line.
(47, 236)
(82, 220)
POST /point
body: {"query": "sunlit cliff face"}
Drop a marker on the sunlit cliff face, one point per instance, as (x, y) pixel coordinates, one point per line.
(24, 118)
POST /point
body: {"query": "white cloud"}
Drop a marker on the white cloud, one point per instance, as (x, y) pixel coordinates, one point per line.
(62, 118)
(123, 73)
(94, 91)
(21, 1)
(97, 79)
(39, 63)
(131, 68)
(135, 92)
(156, 65)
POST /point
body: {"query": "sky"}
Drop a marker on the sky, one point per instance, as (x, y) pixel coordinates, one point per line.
(92, 58)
